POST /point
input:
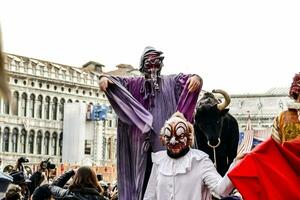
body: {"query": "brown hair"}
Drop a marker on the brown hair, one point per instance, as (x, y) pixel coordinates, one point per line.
(4, 90)
(85, 177)
(13, 193)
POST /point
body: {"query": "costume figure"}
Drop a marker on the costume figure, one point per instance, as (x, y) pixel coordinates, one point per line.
(271, 170)
(180, 172)
(142, 105)
(286, 126)
(216, 130)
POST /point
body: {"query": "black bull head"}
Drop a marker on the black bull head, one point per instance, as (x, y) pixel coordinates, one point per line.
(209, 115)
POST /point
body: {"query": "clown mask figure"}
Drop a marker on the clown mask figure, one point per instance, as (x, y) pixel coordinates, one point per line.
(177, 135)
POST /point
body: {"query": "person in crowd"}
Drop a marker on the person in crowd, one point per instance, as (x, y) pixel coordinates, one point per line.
(84, 185)
(142, 104)
(42, 192)
(20, 179)
(286, 126)
(181, 172)
(5, 180)
(14, 192)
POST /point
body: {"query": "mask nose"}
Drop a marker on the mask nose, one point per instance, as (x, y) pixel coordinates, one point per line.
(173, 141)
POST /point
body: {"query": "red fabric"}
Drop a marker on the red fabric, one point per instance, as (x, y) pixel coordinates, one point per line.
(270, 171)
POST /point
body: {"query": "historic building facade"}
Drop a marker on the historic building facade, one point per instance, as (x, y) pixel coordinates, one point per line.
(259, 109)
(32, 125)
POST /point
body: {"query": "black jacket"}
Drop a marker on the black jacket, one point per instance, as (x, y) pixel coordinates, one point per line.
(76, 194)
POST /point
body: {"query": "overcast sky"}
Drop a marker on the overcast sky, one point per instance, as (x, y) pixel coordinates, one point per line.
(240, 46)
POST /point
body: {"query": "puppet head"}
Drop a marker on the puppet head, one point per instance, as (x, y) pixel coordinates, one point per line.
(151, 63)
(295, 87)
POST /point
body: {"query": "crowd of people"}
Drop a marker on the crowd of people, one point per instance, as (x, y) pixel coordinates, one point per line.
(80, 183)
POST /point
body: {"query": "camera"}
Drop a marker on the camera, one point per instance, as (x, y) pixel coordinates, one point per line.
(23, 160)
(46, 164)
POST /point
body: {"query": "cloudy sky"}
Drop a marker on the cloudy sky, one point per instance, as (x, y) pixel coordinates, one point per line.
(240, 46)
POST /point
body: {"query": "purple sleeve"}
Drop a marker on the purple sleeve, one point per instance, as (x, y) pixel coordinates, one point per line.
(128, 109)
(187, 101)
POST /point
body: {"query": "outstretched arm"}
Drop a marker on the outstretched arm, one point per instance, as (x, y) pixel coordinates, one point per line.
(211, 178)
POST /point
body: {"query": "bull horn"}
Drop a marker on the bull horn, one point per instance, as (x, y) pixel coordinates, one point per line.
(223, 105)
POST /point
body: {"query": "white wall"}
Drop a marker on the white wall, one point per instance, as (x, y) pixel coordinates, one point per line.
(74, 133)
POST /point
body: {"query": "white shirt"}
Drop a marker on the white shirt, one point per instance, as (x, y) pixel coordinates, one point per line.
(190, 177)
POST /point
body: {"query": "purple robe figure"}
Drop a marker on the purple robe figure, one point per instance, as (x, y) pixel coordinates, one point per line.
(142, 105)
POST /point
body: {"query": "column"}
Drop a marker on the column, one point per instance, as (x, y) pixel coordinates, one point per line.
(57, 145)
(34, 143)
(42, 142)
(19, 142)
(1, 138)
(27, 143)
(50, 110)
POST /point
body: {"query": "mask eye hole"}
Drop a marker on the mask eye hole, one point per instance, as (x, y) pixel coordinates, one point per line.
(180, 131)
(167, 132)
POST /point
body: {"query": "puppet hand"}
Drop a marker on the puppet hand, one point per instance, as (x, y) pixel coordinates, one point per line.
(103, 83)
(195, 82)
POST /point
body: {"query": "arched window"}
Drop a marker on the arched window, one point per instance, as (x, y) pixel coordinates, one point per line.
(24, 105)
(39, 107)
(5, 147)
(61, 109)
(60, 143)
(39, 142)
(70, 101)
(16, 101)
(6, 107)
(47, 107)
(31, 142)
(31, 105)
(76, 101)
(54, 108)
(23, 141)
(46, 142)
(54, 144)
(14, 140)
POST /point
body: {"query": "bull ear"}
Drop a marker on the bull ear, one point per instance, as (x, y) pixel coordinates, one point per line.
(224, 112)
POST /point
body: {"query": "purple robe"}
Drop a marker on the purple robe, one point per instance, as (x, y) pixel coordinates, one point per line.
(142, 113)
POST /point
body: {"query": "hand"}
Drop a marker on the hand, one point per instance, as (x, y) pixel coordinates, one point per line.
(75, 170)
(103, 83)
(195, 82)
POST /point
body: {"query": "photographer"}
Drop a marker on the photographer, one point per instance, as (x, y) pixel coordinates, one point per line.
(40, 175)
(19, 165)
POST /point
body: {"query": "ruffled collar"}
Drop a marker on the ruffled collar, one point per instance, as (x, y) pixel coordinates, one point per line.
(171, 167)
